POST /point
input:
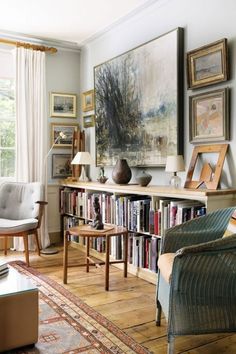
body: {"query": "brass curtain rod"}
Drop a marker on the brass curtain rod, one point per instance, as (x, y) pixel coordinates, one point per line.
(42, 48)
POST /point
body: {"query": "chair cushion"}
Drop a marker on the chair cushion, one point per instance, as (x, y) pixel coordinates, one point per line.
(8, 226)
(165, 264)
(18, 200)
(231, 228)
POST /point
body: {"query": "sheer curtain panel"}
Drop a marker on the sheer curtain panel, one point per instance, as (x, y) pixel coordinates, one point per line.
(31, 125)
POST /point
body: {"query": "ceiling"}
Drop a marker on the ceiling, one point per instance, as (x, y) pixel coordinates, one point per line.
(65, 20)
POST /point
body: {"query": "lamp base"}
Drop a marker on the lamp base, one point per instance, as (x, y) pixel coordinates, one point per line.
(175, 181)
(83, 177)
(49, 251)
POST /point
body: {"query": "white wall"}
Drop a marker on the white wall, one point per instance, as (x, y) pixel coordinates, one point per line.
(203, 22)
(62, 75)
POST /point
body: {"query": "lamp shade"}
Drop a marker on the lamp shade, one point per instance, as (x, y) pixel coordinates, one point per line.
(82, 158)
(175, 163)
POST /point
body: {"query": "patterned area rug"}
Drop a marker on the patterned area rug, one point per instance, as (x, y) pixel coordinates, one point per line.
(68, 325)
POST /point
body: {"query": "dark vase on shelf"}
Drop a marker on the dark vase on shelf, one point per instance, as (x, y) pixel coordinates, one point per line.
(121, 173)
(143, 178)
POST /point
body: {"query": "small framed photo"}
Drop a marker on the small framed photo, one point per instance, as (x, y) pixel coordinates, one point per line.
(62, 134)
(61, 166)
(209, 116)
(89, 121)
(62, 105)
(88, 101)
(208, 65)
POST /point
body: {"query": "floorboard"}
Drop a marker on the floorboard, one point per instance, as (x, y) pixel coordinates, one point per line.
(130, 304)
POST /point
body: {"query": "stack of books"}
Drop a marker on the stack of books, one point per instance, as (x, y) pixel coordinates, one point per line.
(3, 269)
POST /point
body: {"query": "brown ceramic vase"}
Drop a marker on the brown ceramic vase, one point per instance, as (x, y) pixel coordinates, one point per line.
(121, 173)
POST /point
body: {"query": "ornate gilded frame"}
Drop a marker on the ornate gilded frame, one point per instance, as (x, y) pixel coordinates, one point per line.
(208, 65)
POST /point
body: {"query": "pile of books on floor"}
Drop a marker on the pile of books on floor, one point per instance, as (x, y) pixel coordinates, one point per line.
(4, 269)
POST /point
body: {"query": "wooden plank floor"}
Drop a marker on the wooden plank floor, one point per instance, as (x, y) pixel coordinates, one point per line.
(130, 304)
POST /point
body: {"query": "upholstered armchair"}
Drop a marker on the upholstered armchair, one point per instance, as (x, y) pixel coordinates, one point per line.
(21, 210)
(197, 277)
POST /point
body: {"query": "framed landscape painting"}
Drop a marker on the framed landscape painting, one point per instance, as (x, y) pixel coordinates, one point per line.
(61, 165)
(63, 105)
(88, 101)
(138, 103)
(208, 65)
(209, 116)
(67, 130)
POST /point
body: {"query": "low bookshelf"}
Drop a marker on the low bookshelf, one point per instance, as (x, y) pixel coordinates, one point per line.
(145, 211)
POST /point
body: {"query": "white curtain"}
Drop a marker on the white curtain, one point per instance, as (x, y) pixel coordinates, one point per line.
(31, 126)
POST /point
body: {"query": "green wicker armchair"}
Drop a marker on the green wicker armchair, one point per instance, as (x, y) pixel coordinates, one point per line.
(200, 294)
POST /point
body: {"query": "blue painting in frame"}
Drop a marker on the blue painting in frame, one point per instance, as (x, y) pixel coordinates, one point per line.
(138, 103)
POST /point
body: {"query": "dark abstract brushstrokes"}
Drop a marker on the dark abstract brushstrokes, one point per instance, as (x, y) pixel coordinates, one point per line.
(136, 105)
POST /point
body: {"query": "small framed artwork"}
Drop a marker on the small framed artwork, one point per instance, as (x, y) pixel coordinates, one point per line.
(88, 101)
(208, 65)
(62, 105)
(61, 166)
(89, 121)
(62, 134)
(209, 116)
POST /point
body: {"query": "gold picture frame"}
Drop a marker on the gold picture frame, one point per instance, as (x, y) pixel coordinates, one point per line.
(88, 101)
(208, 65)
(89, 121)
(209, 116)
(66, 140)
(63, 105)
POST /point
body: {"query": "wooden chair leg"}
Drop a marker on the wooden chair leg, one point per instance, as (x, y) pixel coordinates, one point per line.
(87, 253)
(37, 242)
(65, 257)
(107, 262)
(5, 245)
(125, 256)
(25, 237)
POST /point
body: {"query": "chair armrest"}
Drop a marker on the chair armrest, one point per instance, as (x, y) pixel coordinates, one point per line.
(41, 211)
(220, 245)
(200, 230)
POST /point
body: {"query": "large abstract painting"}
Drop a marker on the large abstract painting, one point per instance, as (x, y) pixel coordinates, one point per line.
(138, 103)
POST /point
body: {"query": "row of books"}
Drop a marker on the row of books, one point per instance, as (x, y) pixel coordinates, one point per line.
(140, 214)
(143, 250)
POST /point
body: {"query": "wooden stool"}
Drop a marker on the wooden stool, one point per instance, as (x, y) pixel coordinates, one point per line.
(88, 232)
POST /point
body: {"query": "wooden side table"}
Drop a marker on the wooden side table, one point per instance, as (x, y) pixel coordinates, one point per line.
(88, 232)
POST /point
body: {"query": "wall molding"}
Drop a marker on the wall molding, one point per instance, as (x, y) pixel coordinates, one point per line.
(123, 19)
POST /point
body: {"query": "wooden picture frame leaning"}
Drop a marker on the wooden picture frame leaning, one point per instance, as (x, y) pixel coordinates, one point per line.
(208, 65)
(208, 177)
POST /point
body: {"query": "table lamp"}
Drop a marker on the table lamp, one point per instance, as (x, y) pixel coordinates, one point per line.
(82, 158)
(175, 163)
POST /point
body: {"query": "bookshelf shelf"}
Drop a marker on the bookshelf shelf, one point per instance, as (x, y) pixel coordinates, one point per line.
(122, 198)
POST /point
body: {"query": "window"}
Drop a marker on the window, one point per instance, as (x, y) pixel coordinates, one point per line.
(7, 116)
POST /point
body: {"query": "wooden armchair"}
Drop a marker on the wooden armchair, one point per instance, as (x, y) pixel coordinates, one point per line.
(21, 211)
(197, 277)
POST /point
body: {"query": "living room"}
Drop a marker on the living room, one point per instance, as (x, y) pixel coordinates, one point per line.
(130, 304)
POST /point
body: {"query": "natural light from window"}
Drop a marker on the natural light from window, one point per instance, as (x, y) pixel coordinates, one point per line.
(7, 115)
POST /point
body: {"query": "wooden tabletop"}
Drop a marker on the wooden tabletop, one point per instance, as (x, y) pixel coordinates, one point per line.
(87, 230)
